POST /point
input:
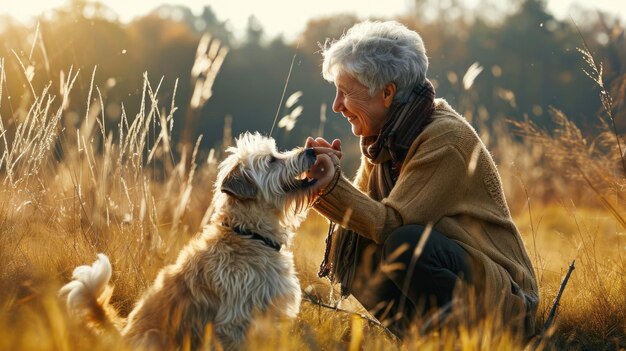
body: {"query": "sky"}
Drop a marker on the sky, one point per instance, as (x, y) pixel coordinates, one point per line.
(287, 17)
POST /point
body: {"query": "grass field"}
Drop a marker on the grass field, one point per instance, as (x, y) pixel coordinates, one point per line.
(71, 191)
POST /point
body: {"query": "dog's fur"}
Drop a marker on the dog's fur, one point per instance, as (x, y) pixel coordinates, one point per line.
(221, 278)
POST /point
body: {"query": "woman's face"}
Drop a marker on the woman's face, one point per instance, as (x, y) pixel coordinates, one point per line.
(367, 114)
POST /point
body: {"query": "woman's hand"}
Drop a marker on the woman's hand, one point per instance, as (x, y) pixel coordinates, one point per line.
(318, 142)
(328, 159)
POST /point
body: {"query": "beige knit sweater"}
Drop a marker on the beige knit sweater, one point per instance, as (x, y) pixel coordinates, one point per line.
(449, 179)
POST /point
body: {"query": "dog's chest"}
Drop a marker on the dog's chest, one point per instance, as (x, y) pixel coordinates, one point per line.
(241, 264)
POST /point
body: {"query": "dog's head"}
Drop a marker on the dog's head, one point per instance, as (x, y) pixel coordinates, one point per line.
(256, 174)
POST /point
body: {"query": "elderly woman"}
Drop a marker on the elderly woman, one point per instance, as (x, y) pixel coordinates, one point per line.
(426, 211)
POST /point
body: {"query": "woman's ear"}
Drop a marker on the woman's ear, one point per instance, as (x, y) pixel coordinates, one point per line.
(389, 92)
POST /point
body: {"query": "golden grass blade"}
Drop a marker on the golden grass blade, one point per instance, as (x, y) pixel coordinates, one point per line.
(28, 73)
(471, 74)
(280, 103)
(91, 85)
(356, 337)
(293, 98)
(616, 214)
(417, 252)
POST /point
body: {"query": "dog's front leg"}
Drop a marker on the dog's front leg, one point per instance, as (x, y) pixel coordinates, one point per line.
(288, 303)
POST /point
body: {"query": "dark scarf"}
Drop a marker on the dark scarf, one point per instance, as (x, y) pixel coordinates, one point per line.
(387, 152)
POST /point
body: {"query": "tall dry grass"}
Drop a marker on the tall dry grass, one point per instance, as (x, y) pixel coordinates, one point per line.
(590, 214)
(71, 190)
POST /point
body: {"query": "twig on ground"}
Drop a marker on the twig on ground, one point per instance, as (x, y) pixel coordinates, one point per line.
(555, 304)
(312, 299)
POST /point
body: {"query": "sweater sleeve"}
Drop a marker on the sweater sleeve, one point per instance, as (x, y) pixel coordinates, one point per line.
(349, 207)
(428, 185)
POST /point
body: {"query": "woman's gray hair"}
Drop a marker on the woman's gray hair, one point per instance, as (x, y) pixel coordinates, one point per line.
(378, 53)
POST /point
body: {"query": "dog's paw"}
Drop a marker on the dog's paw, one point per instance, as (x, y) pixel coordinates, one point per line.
(88, 283)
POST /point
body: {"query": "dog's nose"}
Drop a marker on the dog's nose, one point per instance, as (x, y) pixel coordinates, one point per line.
(310, 152)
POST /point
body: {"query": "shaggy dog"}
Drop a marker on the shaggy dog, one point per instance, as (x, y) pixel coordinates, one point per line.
(238, 266)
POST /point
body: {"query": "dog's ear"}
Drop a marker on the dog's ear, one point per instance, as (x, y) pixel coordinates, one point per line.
(237, 184)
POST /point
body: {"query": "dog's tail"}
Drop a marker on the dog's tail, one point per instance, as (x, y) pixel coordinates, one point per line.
(88, 294)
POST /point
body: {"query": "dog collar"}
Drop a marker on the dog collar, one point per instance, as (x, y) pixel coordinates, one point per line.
(256, 236)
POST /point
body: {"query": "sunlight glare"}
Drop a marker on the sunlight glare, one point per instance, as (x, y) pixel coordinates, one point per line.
(25, 11)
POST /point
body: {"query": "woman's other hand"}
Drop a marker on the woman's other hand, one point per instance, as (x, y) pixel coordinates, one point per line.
(334, 147)
(328, 159)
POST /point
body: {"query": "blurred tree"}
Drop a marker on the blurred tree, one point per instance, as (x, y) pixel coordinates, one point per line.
(530, 61)
(540, 64)
(13, 82)
(83, 35)
(206, 22)
(318, 30)
(167, 50)
(254, 31)
(529, 58)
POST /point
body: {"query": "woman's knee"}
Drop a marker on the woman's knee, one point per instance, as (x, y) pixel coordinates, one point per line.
(402, 241)
(437, 251)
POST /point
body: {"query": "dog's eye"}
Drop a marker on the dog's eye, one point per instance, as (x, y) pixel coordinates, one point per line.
(273, 159)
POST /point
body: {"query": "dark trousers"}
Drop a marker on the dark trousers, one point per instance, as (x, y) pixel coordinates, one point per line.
(402, 287)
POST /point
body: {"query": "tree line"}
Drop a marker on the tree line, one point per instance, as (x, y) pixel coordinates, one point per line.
(513, 67)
